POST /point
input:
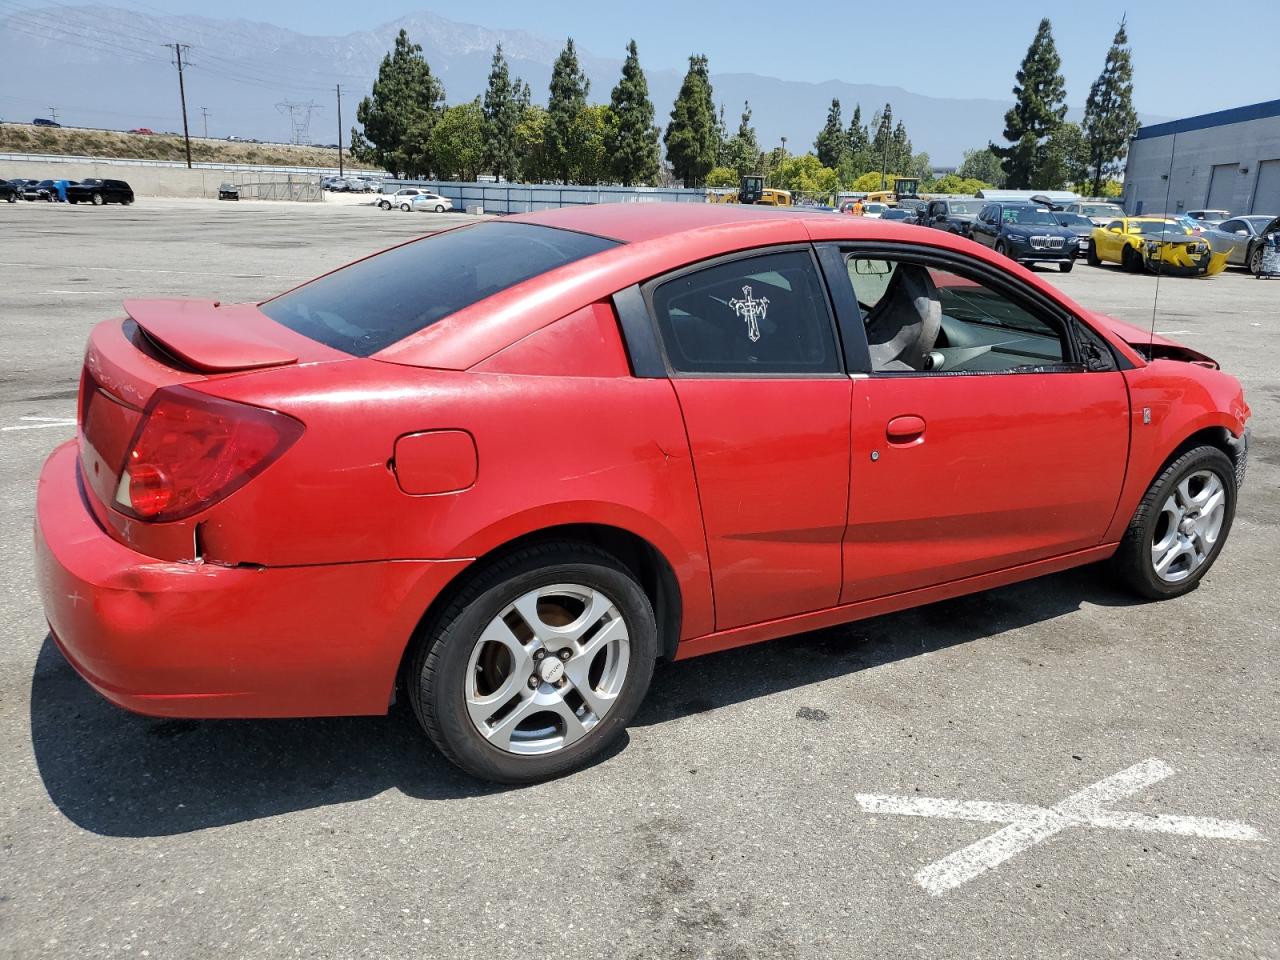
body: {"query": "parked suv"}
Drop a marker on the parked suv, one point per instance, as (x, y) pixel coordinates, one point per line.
(954, 216)
(99, 192)
(1026, 232)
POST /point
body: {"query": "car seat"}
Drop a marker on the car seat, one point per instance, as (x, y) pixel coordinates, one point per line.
(903, 327)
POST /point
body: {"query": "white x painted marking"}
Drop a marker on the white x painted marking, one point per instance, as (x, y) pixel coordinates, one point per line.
(1028, 825)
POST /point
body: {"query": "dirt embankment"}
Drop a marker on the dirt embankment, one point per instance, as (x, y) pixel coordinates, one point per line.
(71, 141)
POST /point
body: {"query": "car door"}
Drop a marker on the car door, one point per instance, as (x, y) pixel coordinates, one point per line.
(1238, 235)
(986, 226)
(750, 346)
(980, 440)
(1110, 241)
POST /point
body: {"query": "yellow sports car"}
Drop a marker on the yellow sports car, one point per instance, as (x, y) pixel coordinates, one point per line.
(1159, 244)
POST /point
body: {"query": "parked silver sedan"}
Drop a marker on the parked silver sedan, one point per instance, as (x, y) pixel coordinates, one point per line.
(1240, 238)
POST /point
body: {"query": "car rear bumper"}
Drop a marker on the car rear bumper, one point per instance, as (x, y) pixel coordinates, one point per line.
(205, 640)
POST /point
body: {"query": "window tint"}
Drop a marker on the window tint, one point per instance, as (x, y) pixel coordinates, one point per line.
(926, 319)
(373, 303)
(1231, 226)
(758, 315)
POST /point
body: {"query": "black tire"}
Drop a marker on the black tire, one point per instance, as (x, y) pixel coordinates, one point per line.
(1255, 260)
(1066, 266)
(384, 204)
(443, 649)
(405, 207)
(97, 200)
(439, 208)
(1132, 562)
(1091, 255)
(1001, 249)
(1130, 260)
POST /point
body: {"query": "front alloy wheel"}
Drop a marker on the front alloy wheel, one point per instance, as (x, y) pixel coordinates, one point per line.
(1180, 525)
(537, 664)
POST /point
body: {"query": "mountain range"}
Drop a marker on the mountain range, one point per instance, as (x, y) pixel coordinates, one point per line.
(103, 66)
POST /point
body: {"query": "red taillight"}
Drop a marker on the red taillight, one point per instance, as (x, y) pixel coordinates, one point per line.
(192, 450)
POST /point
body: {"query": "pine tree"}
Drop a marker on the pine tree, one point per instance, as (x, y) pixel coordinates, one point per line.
(882, 143)
(832, 144)
(691, 135)
(1109, 118)
(856, 139)
(900, 150)
(633, 140)
(502, 114)
(399, 114)
(566, 133)
(742, 153)
(1038, 110)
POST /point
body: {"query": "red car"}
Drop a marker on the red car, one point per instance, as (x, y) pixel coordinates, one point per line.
(504, 468)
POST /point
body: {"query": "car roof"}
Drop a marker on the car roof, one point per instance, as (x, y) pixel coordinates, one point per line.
(634, 222)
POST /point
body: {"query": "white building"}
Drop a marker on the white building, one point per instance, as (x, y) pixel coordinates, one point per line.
(1229, 160)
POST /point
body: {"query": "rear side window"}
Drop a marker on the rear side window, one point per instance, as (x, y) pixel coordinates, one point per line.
(758, 315)
(374, 303)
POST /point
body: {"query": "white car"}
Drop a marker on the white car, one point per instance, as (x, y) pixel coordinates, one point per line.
(401, 198)
(429, 201)
(874, 210)
(1099, 212)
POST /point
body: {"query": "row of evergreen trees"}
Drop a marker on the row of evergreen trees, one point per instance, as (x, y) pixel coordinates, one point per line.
(408, 129)
(1045, 150)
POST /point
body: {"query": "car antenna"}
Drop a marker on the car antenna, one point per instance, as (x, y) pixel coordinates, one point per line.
(1155, 299)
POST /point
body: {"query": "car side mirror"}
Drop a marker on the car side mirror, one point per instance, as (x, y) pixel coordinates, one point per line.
(1114, 230)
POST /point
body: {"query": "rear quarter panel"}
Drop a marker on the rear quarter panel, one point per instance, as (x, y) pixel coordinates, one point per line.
(552, 450)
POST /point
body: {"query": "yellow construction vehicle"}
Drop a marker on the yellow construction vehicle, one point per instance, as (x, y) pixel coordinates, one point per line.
(753, 190)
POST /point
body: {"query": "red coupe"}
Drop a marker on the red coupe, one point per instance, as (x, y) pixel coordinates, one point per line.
(506, 467)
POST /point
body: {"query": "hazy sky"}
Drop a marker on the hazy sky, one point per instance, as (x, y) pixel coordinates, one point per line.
(1187, 58)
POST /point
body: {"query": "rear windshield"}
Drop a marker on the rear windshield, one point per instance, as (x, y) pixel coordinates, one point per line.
(376, 302)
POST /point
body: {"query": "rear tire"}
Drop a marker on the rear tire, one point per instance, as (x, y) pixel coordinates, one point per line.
(1172, 527)
(1255, 260)
(480, 653)
(97, 200)
(1091, 255)
(404, 207)
(439, 208)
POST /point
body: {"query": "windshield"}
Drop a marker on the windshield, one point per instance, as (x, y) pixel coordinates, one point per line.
(1149, 228)
(963, 209)
(1028, 215)
(378, 301)
(1258, 223)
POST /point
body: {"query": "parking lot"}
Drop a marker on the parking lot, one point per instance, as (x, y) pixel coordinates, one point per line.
(802, 798)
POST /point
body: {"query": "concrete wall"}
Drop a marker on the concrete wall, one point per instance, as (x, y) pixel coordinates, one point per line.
(152, 181)
(1242, 147)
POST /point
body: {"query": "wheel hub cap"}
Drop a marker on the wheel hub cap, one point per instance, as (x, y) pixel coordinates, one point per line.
(547, 669)
(550, 669)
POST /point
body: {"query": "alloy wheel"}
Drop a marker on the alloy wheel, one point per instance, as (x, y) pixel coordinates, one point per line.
(1188, 526)
(547, 669)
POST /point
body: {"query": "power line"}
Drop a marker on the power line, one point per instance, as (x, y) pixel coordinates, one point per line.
(299, 118)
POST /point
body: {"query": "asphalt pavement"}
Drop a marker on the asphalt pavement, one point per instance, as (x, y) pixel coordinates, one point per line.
(809, 797)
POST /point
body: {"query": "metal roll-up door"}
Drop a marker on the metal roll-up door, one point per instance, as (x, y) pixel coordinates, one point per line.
(1222, 186)
(1266, 197)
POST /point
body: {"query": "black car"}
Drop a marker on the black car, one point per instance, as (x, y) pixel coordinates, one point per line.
(99, 192)
(1078, 224)
(1026, 232)
(897, 213)
(228, 191)
(10, 190)
(43, 122)
(954, 216)
(40, 190)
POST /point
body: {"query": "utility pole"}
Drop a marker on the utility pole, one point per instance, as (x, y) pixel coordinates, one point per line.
(182, 93)
(339, 129)
(204, 113)
(53, 114)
